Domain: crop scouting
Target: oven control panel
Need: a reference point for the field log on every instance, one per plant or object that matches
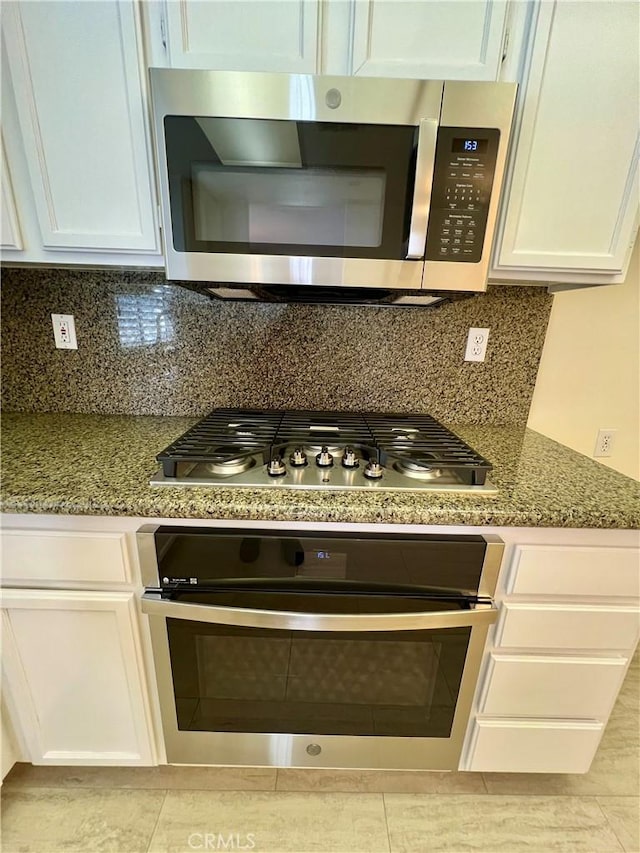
(462, 182)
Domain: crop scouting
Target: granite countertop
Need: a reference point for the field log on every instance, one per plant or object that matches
(100, 465)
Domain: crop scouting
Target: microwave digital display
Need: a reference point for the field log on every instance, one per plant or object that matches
(472, 146)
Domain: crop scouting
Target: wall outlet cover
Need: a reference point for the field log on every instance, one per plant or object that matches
(64, 331)
(604, 442)
(477, 340)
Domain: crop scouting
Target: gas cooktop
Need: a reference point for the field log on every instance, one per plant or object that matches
(290, 449)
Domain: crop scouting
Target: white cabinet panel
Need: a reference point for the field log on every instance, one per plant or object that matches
(565, 570)
(441, 39)
(9, 749)
(43, 556)
(573, 199)
(72, 666)
(241, 35)
(10, 237)
(567, 626)
(79, 90)
(529, 686)
(533, 746)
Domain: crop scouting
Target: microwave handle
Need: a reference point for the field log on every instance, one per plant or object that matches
(425, 160)
(153, 604)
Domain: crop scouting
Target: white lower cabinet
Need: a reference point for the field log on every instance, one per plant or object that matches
(545, 686)
(556, 660)
(73, 674)
(534, 746)
(554, 626)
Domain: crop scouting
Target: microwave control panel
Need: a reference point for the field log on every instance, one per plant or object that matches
(462, 181)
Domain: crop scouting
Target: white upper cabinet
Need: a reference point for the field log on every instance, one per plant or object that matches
(441, 39)
(453, 39)
(10, 237)
(79, 90)
(572, 202)
(242, 35)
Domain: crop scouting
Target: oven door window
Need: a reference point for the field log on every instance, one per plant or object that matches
(257, 186)
(396, 684)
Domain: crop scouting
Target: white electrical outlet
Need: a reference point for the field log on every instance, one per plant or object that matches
(476, 344)
(604, 442)
(64, 331)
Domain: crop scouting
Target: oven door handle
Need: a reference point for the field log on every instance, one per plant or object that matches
(153, 604)
(425, 161)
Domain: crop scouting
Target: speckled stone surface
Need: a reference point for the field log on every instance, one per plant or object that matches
(149, 348)
(98, 465)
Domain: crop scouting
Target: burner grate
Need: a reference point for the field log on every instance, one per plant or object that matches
(223, 434)
(422, 438)
(227, 434)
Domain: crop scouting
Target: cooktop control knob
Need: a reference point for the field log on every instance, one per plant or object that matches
(298, 458)
(324, 458)
(276, 467)
(373, 470)
(349, 458)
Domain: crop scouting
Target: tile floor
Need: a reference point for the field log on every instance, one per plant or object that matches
(180, 809)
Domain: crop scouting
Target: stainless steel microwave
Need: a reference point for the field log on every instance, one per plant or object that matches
(329, 182)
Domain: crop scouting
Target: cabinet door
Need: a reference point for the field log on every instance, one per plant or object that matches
(72, 672)
(436, 39)
(241, 35)
(546, 686)
(533, 746)
(570, 570)
(567, 626)
(573, 199)
(79, 90)
(10, 237)
(44, 557)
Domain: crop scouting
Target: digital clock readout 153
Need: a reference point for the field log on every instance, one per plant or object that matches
(470, 146)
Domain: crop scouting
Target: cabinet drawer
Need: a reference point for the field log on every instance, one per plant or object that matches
(533, 746)
(545, 686)
(53, 556)
(567, 626)
(566, 570)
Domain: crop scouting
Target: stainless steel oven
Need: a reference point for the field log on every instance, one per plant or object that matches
(300, 180)
(316, 649)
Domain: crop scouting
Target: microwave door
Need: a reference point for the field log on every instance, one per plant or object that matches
(279, 191)
(300, 188)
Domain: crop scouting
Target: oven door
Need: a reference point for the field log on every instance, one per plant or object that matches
(277, 179)
(316, 677)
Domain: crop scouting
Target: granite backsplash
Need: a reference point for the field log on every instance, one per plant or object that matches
(149, 347)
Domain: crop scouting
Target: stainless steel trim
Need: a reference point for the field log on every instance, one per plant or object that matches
(153, 604)
(294, 97)
(324, 479)
(147, 555)
(283, 269)
(425, 158)
(466, 104)
(491, 565)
